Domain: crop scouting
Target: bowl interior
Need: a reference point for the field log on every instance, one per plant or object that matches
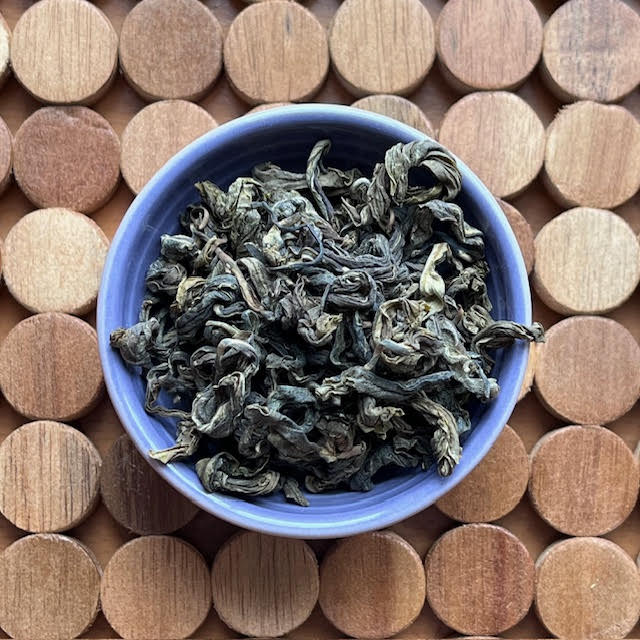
(285, 136)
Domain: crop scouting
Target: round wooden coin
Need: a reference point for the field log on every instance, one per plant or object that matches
(499, 136)
(587, 261)
(64, 51)
(588, 370)
(49, 474)
(590, 50)
(6, 155)
(138, 497)
(488, 44)
(53, 261)
(372, 585)
(264, 586)
(5, 48)
(156, 587)
(592, 157)
(479, 579)
(67, 157)
(398, 108)
(523, 233)
(584, 480)
(530, 371)
(50, 367)
(494, 487)
(267, 106)
(157, 133)
(382, 46)
(51, 588)
(171, 49)
(276, 52)
(587, 588)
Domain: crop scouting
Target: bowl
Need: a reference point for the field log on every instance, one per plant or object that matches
(285, 136)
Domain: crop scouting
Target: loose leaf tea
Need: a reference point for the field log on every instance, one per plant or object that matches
(310, 329)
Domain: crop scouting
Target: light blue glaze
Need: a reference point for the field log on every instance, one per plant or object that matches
(285, 136)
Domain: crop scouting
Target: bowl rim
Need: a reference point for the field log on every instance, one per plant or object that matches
(163, 180)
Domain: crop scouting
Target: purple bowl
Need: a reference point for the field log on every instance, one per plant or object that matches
(285, 136)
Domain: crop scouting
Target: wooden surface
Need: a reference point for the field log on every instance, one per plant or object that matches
(592, 157)
(530, 420)
(499, 136)
(398, 108)
(53, 261)
(587, 588)
(488, 44)
(171, 49)
(51, 587)
(590, 50)
(372, 585)
(5, 47)
(49, 474)
(523, 232)
(264, 586)
(584, 480)
(6, 155)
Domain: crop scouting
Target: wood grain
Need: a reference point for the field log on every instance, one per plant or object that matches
(50, 368)
(587, 261)
(156, 587)
(49, 477)
(157, 133)
(64, 51)
(499, 136)
(53, 261)
(523, 233)
(6, 155)
(382, 46)
(584, 480)
(5, 48)
(591, 50)
(592, 157)
(529, 374)
(488, 44)
(137, 496)
(398, 108)
(67, 157)
(276, 52)
(588, 370)
(268, 105)
(264, 586)
(171, 49)
(494, 487)
(480, 579)
(372, 585)
(587, 588)
(51, 588)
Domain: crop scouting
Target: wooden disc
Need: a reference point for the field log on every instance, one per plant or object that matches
(382, 46)
(523, 233)
(263, 53)
(264, 586)
(590, 50)
(64, 51)
(268, 105)
(171, 49)
(587, 261)
(51, 588)
(372, 585)
(593, 156)
(50, 368)
(479, 579)
(494, 487)
(157, 133)
(398, 108)
(584, 480)
(49, 474)
(488, 44)
(156, 587)
(499, 136)
(6, 155)
(67, 157)
(5, 47)
(138, 497)
(53, 261)
(529, 374)
(588, 370)
(587, 588)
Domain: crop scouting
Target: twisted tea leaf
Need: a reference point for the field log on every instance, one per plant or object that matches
(311, 329)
